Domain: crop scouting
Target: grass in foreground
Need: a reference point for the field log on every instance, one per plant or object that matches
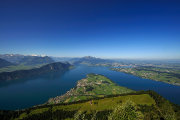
(94, 105)
(138, 106)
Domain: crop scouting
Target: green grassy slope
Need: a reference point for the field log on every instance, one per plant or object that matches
(92, 86)
(93, 105)
(149, 105)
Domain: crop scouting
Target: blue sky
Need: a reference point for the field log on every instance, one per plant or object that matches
(101, 28)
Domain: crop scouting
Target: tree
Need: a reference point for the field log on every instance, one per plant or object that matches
(79, 116)
(126, 111)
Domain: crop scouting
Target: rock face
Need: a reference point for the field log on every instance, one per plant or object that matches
(92, 86)
(33, 72)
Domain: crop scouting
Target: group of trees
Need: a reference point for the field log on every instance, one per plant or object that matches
(126, 111)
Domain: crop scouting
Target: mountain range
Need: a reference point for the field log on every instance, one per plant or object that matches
(31, 60)
(4, 63)
(19, 74)
(91, 60)
(28, 60)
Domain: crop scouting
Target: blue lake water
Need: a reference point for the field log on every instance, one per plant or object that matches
(25, 93)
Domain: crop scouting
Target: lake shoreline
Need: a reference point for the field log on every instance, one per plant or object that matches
(35, 91)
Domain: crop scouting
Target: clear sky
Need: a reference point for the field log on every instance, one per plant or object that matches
(101, 28)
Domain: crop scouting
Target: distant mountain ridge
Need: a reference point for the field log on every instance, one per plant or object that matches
(92, 60)
(62, 59)
(27, 59)
(4, 63)
(19, 74)
(35, 60)
(13, 58)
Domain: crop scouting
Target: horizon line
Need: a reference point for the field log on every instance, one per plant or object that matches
(103, 57)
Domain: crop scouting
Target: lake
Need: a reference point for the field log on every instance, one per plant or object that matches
(19, 94)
